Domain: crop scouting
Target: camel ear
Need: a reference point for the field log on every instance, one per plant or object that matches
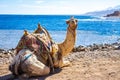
(76, 20)
(67, 22)
(26, 32)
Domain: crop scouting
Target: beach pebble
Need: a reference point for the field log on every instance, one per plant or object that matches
(78, 52)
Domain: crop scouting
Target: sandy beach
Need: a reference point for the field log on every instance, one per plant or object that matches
(94, 62)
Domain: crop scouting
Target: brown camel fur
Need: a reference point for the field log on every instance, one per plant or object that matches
(65, 47)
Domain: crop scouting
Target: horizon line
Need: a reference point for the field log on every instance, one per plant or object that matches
(38, 14)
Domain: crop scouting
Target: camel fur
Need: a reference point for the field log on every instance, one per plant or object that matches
(68, 44)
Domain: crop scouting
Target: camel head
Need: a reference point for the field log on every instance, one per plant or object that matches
(72, 23)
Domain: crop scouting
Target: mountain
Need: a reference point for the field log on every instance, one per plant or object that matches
(114, 14)
(104, 12)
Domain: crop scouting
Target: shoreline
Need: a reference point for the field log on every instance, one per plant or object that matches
(80, 48)
(92, 47)
(7, 55)
(10, 39)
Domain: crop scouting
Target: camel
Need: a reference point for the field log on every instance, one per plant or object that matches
(37, 54)
(67, 45)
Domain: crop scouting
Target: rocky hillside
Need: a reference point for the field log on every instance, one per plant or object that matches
(114, 14)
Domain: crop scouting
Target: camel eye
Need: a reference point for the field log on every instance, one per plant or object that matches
(72, 21)
(76, 20)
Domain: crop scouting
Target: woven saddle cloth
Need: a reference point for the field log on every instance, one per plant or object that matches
(40, 43)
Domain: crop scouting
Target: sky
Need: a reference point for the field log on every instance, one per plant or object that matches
(54, 6)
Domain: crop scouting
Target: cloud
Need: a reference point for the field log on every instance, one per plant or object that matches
(28, 6)
(20, 1)
(39, 1)
(53, 6)
(63, 2)
(3, 6)
(33, 4)
(52, 9)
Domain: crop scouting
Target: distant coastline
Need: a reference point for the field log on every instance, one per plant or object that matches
(115, 14)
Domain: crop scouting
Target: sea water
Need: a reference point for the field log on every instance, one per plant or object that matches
(90, 30)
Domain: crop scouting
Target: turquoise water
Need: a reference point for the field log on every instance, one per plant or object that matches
(90, 29)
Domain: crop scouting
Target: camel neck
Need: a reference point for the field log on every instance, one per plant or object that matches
(69, 41)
